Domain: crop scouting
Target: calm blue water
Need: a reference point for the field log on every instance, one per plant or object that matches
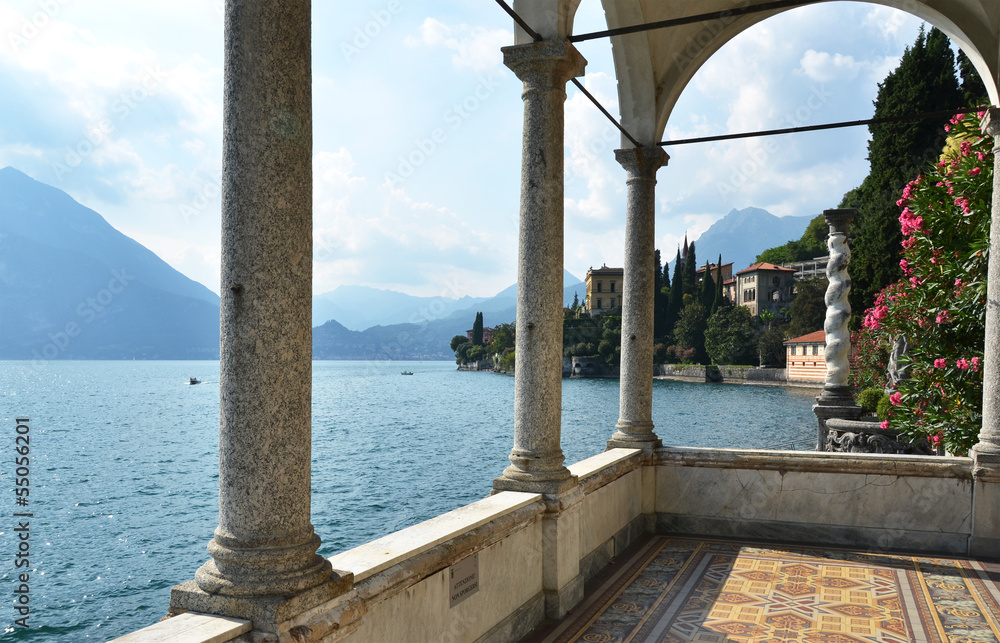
(124, 468)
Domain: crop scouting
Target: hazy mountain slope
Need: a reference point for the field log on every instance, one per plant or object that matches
(71, 286)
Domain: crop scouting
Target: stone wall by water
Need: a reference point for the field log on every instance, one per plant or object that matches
(721, 373)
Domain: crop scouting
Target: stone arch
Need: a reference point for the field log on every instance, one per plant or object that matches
(552, 19)
(654, 67)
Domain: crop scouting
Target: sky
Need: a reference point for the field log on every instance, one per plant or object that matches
(417, 130)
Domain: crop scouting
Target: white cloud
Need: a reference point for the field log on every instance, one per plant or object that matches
(369, 233)
(475, 47)
(823, 67)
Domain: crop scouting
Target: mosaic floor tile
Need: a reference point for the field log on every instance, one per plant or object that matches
(676, 590)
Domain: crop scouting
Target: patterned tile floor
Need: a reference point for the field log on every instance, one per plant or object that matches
(677, 590)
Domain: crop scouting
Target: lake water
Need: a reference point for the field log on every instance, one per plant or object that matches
(124, 466)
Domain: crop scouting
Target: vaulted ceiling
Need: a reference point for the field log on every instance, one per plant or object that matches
(653, 67)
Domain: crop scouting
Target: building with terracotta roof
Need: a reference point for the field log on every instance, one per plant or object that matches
(804, 358)
(765, 286)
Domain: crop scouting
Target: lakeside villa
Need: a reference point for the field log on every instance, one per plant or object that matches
(684, 526)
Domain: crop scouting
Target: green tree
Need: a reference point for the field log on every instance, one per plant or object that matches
(730, 336)
(576, 301)
(719, 300)
(689, 276)
(808, 309)
(924, 81)
(771, 347)
(477, 330)
(502, 339)
(973, 89)
(675, 302)
(689, 332)
(707, 293)
(457, 341)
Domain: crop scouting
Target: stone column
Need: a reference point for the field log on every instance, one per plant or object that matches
(635, 420)
(264, 549)
(537, 457)
(985, 537)
(837, 398)
(988, 448)
(536, 461)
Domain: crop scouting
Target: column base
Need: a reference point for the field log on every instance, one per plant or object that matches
(986, 463)
(630, 435)
(834, 402)
(530, 484)
(188, 597)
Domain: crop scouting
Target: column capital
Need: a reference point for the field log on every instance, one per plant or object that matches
(840, 220)
(642, 161)
(547, 64)
(991, 122)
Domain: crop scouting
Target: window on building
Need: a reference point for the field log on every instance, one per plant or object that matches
(599, 302)
(612, 304)
(599, 284)
(815, 350)
(793, 352)
(612, 290)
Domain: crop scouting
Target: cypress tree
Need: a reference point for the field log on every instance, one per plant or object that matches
(707, 294)
(720, 299)
(676, 299)
(690, 271)
(659, 300)
(477, 330)
(924, 81)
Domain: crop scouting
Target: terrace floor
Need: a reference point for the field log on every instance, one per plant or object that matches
(686, 589)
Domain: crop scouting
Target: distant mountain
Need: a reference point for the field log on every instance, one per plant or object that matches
(361, 307)
(74, 287)
(743, 234)
(426, 340)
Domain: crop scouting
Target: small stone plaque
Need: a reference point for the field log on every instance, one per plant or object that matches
(463, 579)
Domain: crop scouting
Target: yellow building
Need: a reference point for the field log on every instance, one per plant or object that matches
(805, 359)
(604, 289)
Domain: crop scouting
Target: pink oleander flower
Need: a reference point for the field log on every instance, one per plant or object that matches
(940, 363)
(936, 439)
(896, 398)
(905, 265)
(975, 171)
(884, 425)
(962, 364)
(943, 317)
(975, 363)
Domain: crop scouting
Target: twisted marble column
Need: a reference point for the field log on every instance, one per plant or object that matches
(987, 451)
(837, 398)
(536, 461)
(635, 420)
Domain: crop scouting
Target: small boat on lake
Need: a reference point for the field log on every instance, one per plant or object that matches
(194, 380)
(407, 373)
